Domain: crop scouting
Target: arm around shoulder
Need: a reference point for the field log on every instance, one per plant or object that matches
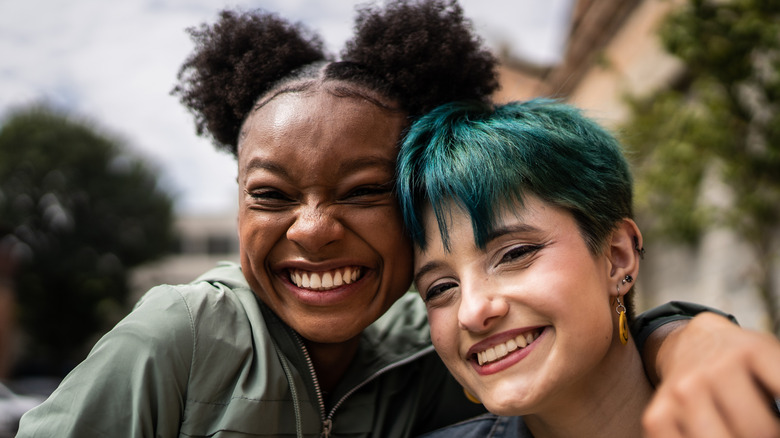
(716, 379)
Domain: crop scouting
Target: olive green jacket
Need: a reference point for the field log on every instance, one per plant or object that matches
(208, 359)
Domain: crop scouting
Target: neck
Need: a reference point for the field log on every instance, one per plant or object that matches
(607, 403)
(331, 361)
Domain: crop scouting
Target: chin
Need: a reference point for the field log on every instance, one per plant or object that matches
(331, 332)
(506, 404)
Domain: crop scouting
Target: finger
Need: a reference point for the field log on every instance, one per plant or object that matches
(764, 362)
(744, 404)
(659, 421)
(702, 419)
(692, 407)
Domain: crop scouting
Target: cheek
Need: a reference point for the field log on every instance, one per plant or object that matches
(383, 229)
(257, 232)
(443, 332)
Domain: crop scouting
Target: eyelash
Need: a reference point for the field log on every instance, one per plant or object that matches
(437, 290)
(370, 190)
(520, 252)
(268, 198)
(278, 196)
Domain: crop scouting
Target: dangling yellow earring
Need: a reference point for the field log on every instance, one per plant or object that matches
(622, 322)
(621, 310)
(472, 398)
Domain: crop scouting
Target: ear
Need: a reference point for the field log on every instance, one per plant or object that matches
(622, 254)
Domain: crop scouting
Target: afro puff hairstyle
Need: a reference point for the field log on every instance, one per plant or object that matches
(417, 53)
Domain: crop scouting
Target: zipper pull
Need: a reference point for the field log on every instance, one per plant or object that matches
(327, 425)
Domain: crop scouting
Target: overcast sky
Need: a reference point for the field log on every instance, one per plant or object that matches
(115, 62)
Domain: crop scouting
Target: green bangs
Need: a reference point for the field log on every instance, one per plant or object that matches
(482, 158)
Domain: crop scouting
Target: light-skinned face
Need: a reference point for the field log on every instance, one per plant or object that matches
(322, 241)
(529, 320)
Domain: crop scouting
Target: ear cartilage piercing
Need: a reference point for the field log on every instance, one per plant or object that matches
(640, 250)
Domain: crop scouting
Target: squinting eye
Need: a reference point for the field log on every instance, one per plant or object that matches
(437, 290)
(519, 252)
(268, 198)
(364, 191)
(367, 191)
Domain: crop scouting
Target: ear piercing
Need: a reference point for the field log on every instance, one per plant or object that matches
(640, 250)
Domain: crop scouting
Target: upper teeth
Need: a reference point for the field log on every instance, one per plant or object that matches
(498, 351)
(324, 280)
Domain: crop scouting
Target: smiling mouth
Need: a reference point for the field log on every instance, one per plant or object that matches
(497, 352)
(325, 280)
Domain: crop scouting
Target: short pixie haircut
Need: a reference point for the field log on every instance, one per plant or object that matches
(484, 157)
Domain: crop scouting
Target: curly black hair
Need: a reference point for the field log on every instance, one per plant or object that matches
(416, 53)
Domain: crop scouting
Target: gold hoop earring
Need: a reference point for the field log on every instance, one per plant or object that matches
(472, 398)
(622, 320)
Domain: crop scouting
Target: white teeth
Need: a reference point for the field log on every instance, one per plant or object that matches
(327, 280)
(305, 280)
(324, 280)
(498, 351)
(316, 283)
(347, 276)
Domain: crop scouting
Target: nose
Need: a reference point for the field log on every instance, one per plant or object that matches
(480, 308)
(314, 228)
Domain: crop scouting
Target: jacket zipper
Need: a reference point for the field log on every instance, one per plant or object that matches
(327, 424)
(327, 420)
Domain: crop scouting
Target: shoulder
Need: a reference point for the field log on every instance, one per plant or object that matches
(215, 299)
(484, 426)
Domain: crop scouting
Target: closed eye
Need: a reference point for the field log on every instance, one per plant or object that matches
(269, 198)
(368, 193)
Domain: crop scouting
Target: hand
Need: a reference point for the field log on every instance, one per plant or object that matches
(717, 380)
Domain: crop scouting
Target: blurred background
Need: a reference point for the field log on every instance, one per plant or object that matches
(105, 190)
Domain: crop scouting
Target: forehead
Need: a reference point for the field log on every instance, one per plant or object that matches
(313, 129)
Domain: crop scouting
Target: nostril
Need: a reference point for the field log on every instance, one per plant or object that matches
(314, 230)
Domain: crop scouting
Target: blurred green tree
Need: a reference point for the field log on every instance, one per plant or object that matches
(720, 121)
(82, 212)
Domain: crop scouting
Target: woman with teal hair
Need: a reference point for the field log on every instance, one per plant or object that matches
(525, 255)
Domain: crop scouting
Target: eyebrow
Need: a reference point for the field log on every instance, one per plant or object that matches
(426, 268)
(271, 166)
(494, 234)
(509, 229)
(343, 168)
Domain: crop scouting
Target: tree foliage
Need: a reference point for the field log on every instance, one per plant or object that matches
(81, 212)
(722, 118)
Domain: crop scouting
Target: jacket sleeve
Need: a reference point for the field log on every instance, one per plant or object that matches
(649, 321)
(132, 384)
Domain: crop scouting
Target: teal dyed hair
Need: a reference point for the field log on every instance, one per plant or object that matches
(484, 157)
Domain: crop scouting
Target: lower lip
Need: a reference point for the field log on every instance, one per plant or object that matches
(508, 360)
(330, 297)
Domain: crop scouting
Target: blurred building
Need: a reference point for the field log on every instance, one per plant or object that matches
(613, 51)
(202, 241)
